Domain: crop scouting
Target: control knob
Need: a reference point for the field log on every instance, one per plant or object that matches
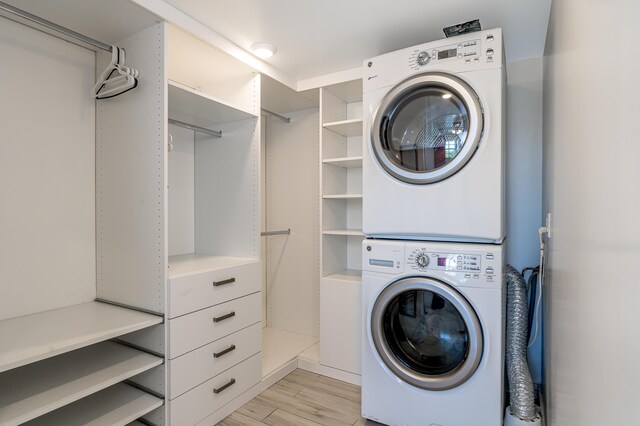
(422, 260)
(423, 58)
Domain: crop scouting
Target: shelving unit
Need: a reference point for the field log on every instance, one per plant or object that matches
(348, 232)
(62, 330)
(211, 198)
(213, 262)
(88, 267)
(346, 162)
(351, 275)
(117, 405)
(188, 264)
(341, 225)
(44, 386)
(342, 196)
(348, 128)
(198, 108)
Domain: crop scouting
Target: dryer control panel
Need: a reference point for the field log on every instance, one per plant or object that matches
(468, 51)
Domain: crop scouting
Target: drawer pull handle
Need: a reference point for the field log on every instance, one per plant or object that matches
(223, 387)
(226, 351)
(223, 282)
(224, 317)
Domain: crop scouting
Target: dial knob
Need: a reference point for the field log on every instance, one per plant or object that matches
(423, 58)
(422, 260)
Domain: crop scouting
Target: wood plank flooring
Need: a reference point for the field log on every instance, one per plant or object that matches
(302, 399)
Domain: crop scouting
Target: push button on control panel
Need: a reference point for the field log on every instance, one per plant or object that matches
(489, 52)
(489, 270)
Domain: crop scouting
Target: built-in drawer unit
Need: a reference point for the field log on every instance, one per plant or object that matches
(199, 328)
(189, 370)
(198, 403)
(215, 282)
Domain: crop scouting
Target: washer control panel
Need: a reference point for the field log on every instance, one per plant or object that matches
(421, 260)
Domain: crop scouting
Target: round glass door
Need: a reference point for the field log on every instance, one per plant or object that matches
(426, 333)
(427, 128)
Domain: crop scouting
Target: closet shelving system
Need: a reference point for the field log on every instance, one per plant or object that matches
(341, 226)
(290, 202)
(82, 256)
(141, 297)
(214, 330)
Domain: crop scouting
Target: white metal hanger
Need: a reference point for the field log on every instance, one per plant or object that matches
(117, 78)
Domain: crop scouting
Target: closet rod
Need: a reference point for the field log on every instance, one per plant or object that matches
(216, 133)
(270, 233)
(55, 27)
(278, 116)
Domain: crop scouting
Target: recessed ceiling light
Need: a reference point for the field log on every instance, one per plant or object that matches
(263, 49)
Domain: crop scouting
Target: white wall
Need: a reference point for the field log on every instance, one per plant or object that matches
(47, 170)
(524, 161)
(591, 173)
(291, 201)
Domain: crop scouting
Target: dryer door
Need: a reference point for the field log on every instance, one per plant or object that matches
(427, 128)
(426, 333)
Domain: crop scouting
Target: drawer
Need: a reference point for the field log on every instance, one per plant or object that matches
(199, 328)
(191, 369)
(198, 403)
(194, 292)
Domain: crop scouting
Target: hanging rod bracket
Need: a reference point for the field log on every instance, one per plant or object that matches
(215, 133)
(276, 115)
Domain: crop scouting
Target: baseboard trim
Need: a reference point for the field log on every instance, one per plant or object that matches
(334, 373)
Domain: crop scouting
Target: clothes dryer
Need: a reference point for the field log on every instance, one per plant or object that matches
(433, 333)
(433, 165)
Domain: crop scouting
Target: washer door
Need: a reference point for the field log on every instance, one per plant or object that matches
(427, 128)
(426, 333)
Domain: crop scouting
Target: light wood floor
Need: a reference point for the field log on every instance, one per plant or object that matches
(302, 399)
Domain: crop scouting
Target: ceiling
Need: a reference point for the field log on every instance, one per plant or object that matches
(320, 37)
(89, 17)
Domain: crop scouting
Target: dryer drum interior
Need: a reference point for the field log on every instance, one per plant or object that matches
(427, 128)
(426, 333)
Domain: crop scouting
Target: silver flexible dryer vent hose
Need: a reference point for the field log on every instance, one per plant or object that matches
(520, 384)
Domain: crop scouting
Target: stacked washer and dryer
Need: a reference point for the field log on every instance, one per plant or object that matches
(434, 216)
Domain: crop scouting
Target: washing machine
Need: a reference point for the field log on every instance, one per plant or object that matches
(433, 165)
(433, 333)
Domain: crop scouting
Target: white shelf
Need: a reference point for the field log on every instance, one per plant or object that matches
(350, 275)
(346, 162)
(346, 128)
(47, 334)
(349, 232)
(197, 108)
(188, 264)
(342, 196)
(36, 389)
(117, 405)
